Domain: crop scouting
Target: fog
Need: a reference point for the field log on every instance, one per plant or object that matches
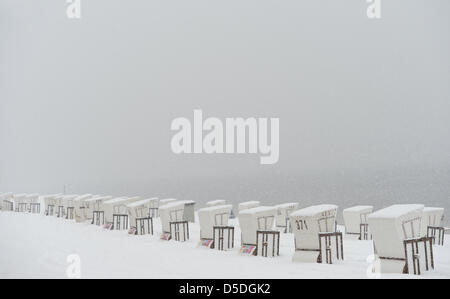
(364, 105)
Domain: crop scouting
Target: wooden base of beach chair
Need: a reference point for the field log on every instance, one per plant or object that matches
(432, 231)
(70, 213)
(153, 212)
(98, 218)
(419, 255)
(144, 226)
(35, 208)
(331, 246)
(50, 210)
(60, 211)
(179, 230)
(223, 237)
(364, 233)
(120, 221)
(22, 207)
(267, 243)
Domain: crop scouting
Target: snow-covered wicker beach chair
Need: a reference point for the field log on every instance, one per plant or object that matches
(214, 229)
(69, 205)
(94, 206)
(172, 222)
(50, 204)
(283, 212)
(34, 206)
(316, 238)
(141, 223)
(217, 202)
(116, 214)
(248, 205)
(20, 203)
(398, 241)
(431, 226)
(80, 213)
(7, 203)
(258, 234)
(355, 220)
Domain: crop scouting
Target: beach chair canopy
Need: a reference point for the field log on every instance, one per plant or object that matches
(431, 217)
(117, 206)
(392, 225)
(213, 216)
(171, 212)
(283, 212)
(140, 208)
(251, 220)
(354, 217)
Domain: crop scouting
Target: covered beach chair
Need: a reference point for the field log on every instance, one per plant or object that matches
(20, 203)
(217, 202)
(80, 213)
(283, 212)
(34, 206)
(431, 226)
(316, 238)
(50, 204)
(7, 203)
(355, 220)
(214, 229)
(116, 214)
(141, 223)
(59, 206)
(94, 207)
(248, 205)
(172, 222)
(69, 205)
(258, 234)
(398, 240)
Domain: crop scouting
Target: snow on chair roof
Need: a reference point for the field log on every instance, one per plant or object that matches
(358, 209)
(141, 202)
(20, 195)
(217, 202)
(248, 205)
(99, 198)
(83, 197)
(395, 211)
(6, 195)
(166, 200)
(314, 211)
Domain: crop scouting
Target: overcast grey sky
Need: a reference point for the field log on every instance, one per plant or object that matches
(88, 103)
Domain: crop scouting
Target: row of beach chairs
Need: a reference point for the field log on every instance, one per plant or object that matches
(403, 235)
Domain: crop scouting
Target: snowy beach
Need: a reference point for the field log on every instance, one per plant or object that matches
(37, 246)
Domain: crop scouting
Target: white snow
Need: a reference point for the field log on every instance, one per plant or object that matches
(141, 202)
(37, 246)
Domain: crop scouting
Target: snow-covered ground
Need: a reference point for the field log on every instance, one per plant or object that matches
(37, 246)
